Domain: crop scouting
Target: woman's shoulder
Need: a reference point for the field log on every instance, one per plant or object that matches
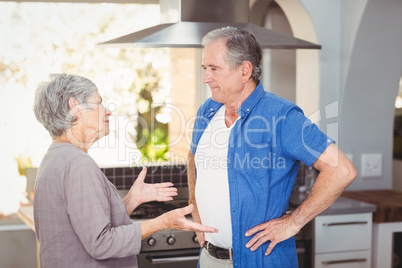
(65, 155)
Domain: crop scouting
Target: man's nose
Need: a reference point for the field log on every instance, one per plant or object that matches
(206, 77)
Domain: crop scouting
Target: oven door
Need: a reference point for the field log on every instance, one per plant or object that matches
(169, 258)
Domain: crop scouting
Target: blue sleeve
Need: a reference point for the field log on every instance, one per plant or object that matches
(196, 135)
(301, 139)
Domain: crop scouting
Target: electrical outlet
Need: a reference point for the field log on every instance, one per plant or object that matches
(371, 165)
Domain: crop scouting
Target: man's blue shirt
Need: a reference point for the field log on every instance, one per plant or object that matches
(266, 146)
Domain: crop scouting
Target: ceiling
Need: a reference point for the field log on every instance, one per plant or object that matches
(93, 1)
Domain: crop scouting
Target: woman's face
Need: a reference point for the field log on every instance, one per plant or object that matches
(95, 117)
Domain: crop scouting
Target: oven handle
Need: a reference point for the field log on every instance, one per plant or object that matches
(173, 259)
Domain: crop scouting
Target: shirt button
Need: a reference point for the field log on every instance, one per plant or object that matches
(328, 140)
(248, 110)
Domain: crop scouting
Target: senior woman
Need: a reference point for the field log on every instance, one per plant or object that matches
(80, 219)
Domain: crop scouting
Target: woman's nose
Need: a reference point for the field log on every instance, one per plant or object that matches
(108, 112)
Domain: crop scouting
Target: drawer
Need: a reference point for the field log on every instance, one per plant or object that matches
(337, 233)
(356, 259)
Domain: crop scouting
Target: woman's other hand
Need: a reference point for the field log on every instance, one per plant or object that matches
(142, 192)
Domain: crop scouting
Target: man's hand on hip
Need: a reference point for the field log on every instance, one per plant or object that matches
(276, 230)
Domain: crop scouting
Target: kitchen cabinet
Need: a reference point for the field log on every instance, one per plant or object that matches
(26, 215)
(343, 240)
(387, 220)
(17, 244)
(342, 234)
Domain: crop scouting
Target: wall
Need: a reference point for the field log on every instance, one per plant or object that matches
(360, 65)
(326, 17)
(183, 101)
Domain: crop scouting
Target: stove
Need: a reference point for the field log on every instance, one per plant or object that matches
(151, 210)
(167, 248)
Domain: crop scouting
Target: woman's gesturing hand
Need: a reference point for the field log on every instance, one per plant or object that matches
(175, 219)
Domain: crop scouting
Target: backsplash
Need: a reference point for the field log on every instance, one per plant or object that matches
(124, 177)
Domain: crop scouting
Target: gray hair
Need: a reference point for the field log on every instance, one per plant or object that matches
(241, 46)
(51, 101)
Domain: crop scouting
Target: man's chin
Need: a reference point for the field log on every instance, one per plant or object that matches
(216, 98)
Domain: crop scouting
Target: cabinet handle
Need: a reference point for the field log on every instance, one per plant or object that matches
(345, 223)
(343, 261)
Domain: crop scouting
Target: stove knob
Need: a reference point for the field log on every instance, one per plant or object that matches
(171, 240)
(195, 238)
(151, 241)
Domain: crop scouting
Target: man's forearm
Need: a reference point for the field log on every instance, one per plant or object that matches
(191, 178)
(191, 187)
(316, 202)
(335, 175)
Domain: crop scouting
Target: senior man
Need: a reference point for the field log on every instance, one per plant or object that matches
(246, 149)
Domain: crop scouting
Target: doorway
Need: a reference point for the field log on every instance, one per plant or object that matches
(397, 141)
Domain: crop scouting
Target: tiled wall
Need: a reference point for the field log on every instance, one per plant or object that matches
(124, 177)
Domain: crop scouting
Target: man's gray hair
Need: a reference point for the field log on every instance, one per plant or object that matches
(241, 46)
(51, 106)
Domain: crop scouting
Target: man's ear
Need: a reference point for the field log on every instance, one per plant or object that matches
(246, 71)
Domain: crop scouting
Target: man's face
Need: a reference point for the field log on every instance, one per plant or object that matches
(224, 82)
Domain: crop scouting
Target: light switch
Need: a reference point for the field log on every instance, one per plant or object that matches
(371, 165)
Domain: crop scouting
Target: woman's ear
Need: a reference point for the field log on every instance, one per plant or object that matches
(74, 106)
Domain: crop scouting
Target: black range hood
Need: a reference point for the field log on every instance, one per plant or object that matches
(195, 18)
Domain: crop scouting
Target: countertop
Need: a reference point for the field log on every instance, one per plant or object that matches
(26, 215)
(388, 203)
(342, 205)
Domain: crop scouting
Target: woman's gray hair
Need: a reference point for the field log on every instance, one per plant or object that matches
(51, 106)
(241, 46)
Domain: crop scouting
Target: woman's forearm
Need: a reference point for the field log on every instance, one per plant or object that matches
(152, 226)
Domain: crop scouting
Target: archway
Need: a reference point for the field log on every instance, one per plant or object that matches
(307, 61)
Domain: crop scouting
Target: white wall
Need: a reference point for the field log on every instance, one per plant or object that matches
(326, 17)
(360, 65)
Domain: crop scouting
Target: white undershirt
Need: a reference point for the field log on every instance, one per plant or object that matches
(212, 187)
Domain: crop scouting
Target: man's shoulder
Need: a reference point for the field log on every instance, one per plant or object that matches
(276, 104)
